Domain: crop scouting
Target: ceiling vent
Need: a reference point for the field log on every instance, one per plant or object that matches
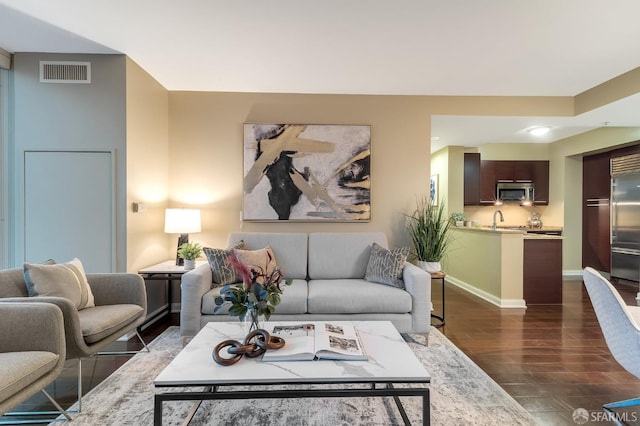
(65, 72)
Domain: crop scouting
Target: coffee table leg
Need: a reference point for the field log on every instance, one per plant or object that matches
(157, 411)
(426, 409)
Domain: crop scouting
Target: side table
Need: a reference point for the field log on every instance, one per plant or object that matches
(168, 272)
(439, 276)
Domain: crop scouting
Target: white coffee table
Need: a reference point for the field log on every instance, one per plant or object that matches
(391, 361)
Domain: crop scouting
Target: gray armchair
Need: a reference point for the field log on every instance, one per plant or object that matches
(32, 351)
(120, 307)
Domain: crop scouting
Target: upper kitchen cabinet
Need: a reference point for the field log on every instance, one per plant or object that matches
(480, 180)
(471, 179)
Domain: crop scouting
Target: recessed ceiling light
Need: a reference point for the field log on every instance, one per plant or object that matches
(539, 130)
(435, 138)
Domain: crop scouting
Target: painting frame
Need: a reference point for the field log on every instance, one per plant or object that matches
(433, 189)
(306, 172)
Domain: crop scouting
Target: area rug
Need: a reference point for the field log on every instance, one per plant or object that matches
(461, 394)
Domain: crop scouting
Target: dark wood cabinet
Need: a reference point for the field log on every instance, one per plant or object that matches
(542, 271)
(481, 176)
(540, 176)
(471, 179)
(596, 210)
(487, 182)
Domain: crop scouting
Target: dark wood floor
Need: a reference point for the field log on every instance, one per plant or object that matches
(550, 358)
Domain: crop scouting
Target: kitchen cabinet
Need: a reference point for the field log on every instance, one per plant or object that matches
(596, 223)
(542, 271)
(540, 176)
(471, 179)
(487, 182)
(480, 185)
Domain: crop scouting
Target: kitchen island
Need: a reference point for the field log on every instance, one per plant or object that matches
(507, 267)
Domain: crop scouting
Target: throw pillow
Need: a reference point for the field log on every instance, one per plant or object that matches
(385, 266)
(66, 280)
(263, 261)
(222, 272)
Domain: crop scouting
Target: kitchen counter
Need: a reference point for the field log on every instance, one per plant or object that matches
(503, 265)
(528, 233)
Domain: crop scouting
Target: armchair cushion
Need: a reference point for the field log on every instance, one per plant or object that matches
(66, 280)
(102, 321)
(21, 369)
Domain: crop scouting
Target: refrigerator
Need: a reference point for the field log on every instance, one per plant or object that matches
(625, 217)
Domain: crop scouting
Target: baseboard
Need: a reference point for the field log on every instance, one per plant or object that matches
(572, 274)
(494, 300)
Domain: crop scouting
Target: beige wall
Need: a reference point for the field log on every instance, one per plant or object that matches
(206, 155)
(448, 164)
(147, 169)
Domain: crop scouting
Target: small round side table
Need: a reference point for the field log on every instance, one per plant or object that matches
(439, 276)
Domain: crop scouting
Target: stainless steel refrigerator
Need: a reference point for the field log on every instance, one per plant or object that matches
(625, 217)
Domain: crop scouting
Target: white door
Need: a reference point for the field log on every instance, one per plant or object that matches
(69, 208)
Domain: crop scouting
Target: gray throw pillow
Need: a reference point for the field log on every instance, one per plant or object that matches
(66, 280)
(222, 272)
(385, 266)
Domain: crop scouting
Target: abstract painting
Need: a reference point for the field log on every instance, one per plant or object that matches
(298, 172)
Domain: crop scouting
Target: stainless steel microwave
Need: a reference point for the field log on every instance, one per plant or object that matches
(521, 192)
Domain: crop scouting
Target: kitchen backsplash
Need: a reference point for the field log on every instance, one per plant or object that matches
(514, 215)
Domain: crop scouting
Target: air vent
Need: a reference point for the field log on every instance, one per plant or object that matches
(65, 72)
(625, 165)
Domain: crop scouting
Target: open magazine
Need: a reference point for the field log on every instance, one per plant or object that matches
(307, 342)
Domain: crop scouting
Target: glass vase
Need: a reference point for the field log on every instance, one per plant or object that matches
(252, 321)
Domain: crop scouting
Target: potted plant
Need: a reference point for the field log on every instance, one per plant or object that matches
(428, 227)
(457, 219)
(189, 252)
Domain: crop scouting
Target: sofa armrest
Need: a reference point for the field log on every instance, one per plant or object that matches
(33, 326)
(418, 283)
(194, 284)
(117, 289)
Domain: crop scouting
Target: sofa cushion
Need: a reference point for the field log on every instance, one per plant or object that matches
(385, 266)
(102, 321)
(342, 254)
(354, 296)
(66, 280)
(20, 369)
(292, 301)
(290, 249)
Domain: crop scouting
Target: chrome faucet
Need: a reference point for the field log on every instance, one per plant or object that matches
(494, 226)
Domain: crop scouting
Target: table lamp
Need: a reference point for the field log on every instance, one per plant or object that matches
(183, 222)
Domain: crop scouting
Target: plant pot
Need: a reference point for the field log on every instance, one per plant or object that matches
(189, 264)
(459, 223)
(430, 266)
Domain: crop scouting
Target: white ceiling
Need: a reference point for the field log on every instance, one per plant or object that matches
(421, 47)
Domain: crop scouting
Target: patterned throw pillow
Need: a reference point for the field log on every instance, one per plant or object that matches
(385, 266)
(222, 272)
(263, 260)
(66, 280)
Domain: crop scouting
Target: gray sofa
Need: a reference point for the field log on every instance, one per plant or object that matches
(328, 272)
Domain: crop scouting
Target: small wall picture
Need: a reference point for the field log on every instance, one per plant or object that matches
(433, 190)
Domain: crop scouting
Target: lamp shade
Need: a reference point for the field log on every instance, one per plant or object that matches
(182, 221)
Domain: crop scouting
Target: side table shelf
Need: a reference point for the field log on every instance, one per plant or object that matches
(440, 318)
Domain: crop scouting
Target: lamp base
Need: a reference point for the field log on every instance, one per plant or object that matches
(183, 238)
